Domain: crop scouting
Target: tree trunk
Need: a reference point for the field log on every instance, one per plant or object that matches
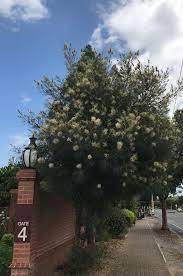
(90, 226)
(164, 215)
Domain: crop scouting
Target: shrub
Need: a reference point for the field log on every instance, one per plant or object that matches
(116, 222)
(130, 216)
(6, 252)
(81, 258)
(3, 222)
(7, 239)
(102, 233)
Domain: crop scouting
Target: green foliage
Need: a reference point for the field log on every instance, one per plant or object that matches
(130, 216)
(116, 222)
(6, 253)
(180, 201)
(7, 239)
(102, 233)
(3, 221)
(80, 259)
(8, 181)
(101, 125)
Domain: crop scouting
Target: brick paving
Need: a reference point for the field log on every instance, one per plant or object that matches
(140, 255)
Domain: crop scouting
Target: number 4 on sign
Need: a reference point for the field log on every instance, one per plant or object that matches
(22, 235)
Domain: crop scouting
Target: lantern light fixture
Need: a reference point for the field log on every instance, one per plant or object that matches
(30, 155)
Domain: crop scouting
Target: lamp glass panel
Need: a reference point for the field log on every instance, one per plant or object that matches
(27, 153)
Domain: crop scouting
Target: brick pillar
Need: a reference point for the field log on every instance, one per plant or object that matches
(21, 253)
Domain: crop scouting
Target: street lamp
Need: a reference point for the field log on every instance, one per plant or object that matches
(30, 155)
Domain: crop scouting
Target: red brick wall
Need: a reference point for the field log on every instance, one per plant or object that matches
(53, 232)
(52, 229)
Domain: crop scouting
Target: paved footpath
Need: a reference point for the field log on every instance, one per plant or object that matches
(140, 255)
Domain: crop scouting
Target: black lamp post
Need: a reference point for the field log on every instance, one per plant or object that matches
(30, 155)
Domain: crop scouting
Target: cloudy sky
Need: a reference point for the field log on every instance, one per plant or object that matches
(32, 34)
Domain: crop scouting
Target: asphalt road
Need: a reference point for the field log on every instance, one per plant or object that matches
(175, 220)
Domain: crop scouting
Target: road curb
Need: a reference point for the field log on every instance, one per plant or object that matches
(159, 247)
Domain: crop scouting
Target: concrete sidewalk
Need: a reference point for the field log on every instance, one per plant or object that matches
(140, 255)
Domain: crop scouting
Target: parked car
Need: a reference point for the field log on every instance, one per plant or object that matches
(179, 210)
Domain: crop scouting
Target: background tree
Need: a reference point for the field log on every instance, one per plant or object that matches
(7, 182)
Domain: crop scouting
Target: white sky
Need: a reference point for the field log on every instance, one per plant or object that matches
(155, 27)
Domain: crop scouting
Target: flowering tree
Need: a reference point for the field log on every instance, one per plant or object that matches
(97, 135)
(163, 171)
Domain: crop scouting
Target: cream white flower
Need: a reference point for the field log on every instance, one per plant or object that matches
(71, 91)
(105, 131)
(95, 145)
(93, 119)
(104, 144)
(56, 102)
(53, 121)
(86, 131)
(66, 108)
(138, 118)
(153, 134)
(154, 144)
(99, 186)
(79, 166)
(57, 114)
(118, 125)
(152, 117)
(106, 155)
(156, 164)
(134, 158)
(119, 145)
(132, 115)
(125, 174)
(89, 157)
(113, 111)
(55, 141)
(147, 130)
(98, 122)
(51, 165)
(124, 184)
(59, 134)
(76, 148)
